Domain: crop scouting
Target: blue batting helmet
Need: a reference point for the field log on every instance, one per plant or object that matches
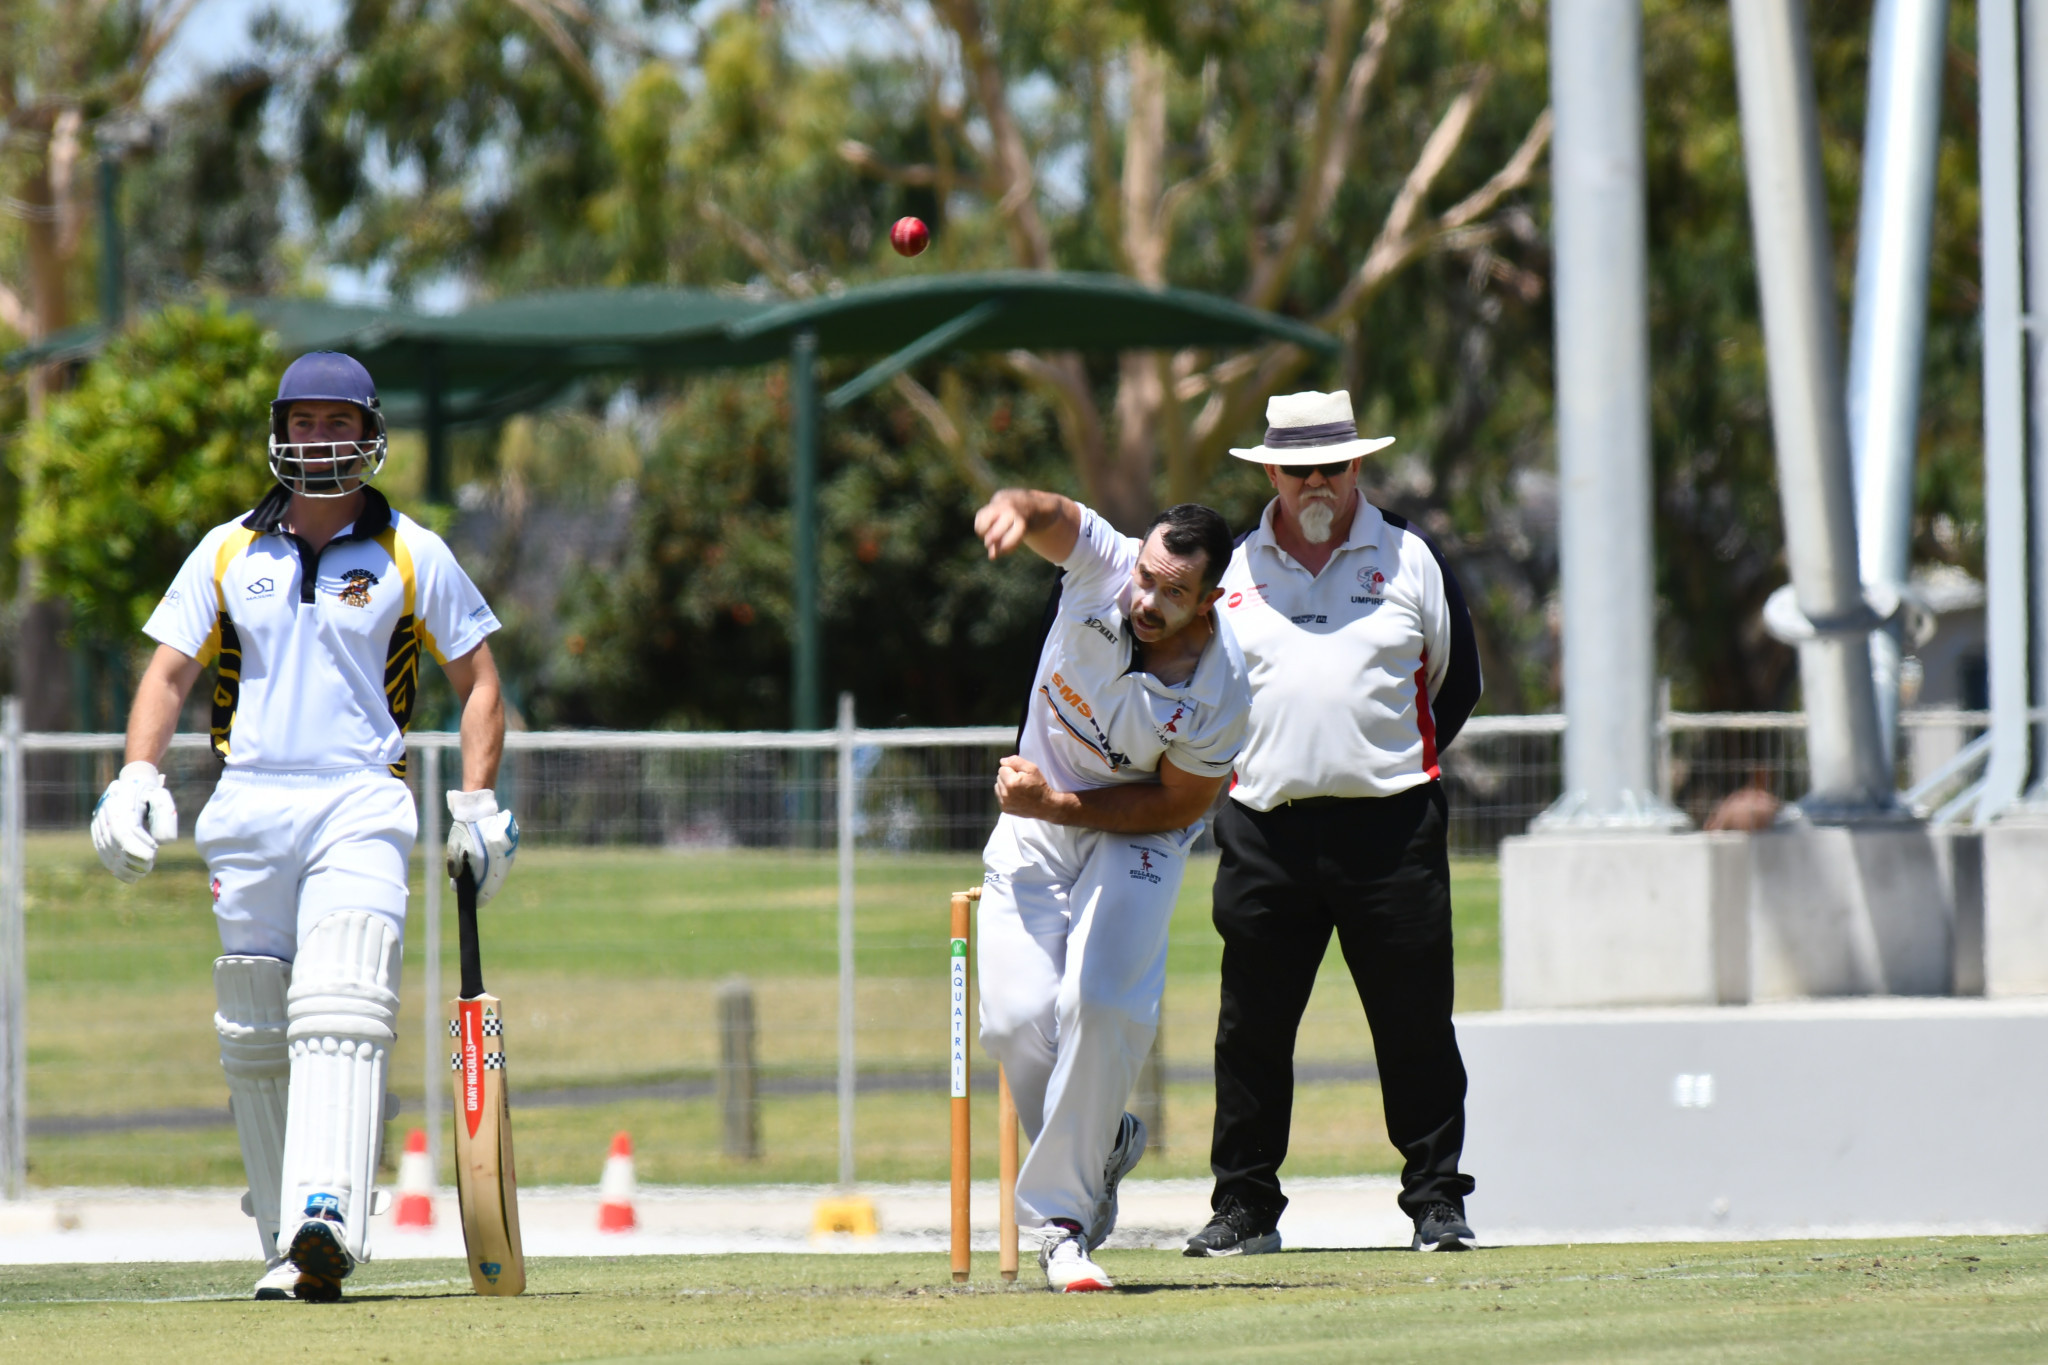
(327, 469)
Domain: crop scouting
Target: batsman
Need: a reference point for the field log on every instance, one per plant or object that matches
(314, 607)
(1137, 713)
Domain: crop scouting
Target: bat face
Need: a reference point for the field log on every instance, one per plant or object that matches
(485, 1182)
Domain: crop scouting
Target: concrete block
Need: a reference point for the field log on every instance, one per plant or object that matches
(1623, 919)
(1959, 859)
(1837, 1118)
(1848, 910)
(2016, 906)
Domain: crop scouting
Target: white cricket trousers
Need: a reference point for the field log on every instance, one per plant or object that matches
(287, 849)
(1071, 964)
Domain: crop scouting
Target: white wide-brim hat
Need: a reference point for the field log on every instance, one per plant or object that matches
(1311, 428)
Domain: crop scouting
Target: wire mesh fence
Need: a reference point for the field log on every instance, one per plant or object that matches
(663, 874)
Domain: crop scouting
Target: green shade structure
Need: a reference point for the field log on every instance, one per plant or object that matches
(497, 359)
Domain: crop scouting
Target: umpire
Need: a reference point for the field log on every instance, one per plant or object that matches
(1362, 668)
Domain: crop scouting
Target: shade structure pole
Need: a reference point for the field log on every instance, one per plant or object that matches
(2034, 77)
(2005, 473)
(1788, 213)
(848, 805)
(1888, 327)
(803, 513)
(434, 415)
(1606, 566)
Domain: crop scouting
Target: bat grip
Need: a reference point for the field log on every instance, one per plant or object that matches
(465, 919)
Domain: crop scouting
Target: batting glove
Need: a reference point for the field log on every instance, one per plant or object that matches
(134, 816)
(482, 839)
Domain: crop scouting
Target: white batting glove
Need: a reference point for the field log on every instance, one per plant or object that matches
(134, 816)
(483, 839)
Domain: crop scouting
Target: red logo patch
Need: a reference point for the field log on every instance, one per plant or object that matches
(471, 1013)
(216, 891)
(1236, 601)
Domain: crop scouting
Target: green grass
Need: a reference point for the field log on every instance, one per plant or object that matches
(1983, 1300)
(609, 961)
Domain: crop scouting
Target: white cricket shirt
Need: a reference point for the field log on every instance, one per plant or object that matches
(1095, 718)
(1344, 664)
(319, 654)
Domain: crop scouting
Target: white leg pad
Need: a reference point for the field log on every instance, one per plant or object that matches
(343, 1010)
(250, 993)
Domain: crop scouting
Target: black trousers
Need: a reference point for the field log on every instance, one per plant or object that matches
(1376, 870)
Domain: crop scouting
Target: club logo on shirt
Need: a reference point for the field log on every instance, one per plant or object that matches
(262, 587)
(355, 587)
(1372, 585)
(1143, 871)
(1172, 726)
(1095, 623)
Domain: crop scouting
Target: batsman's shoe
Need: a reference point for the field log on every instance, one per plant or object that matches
(1123, 1158)
(319, 1251)
(279, 1281)
(1236, 1229)
(1063, 1256)
(1441, 1227)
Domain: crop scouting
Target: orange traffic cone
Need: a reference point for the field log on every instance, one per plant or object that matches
(415, 1184)
(615, 1189)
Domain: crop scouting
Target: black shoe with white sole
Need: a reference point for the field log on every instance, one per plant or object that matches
(1442, 1228)
(1236, 1230)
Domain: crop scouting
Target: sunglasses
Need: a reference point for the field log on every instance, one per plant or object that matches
(1328, 471)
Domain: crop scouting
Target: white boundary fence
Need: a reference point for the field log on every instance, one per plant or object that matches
(1501, 772)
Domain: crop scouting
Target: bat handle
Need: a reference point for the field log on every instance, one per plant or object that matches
(465, 919)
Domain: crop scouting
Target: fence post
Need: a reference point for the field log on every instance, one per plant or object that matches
(13, 958)
(738, 1093)
(432, 1016)
(847, 804)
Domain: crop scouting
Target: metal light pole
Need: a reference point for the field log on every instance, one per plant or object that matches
(1888, 329)
(1603, 421)
(2034, 77)
(2005, 472)
(1788, 212)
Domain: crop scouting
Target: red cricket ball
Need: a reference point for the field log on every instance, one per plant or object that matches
(910, 236)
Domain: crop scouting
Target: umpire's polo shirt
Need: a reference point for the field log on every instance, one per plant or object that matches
(1360, 675)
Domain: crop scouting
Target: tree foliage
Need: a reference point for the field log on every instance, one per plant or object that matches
(160, 441)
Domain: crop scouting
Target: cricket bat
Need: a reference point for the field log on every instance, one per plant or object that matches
(485, 1183)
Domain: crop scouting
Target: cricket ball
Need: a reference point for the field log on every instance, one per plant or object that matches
(910, 236)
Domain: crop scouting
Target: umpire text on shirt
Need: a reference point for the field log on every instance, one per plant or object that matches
(1362, 668)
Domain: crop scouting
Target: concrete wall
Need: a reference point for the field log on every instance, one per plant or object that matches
(2016, 906)
(1824, 1117)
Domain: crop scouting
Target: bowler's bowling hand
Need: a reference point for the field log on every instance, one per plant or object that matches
(1021, 789)
(1002, 523)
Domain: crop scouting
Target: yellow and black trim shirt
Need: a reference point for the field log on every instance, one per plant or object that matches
(319, 653)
